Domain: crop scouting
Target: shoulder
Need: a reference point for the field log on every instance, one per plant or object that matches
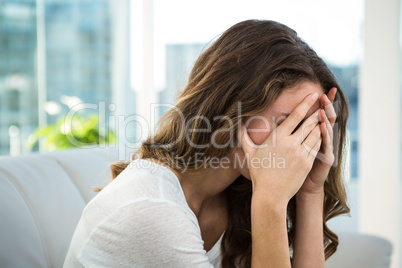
(143, 179)
(143, 230)
(141, 187)
(146, 176)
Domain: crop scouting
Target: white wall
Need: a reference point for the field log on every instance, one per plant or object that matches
(380, 125)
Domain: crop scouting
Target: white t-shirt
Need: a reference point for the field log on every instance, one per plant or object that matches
(140, 219)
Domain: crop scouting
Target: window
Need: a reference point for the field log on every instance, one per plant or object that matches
(13, 100)
(74, 59)
(85, 57)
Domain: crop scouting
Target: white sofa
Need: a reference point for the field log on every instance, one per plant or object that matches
(42, 197)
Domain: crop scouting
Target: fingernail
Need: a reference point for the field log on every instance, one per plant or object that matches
(314, 96)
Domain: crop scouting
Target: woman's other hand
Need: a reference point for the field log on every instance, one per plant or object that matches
(314, 183)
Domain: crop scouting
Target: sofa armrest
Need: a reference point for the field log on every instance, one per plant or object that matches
(361, 250)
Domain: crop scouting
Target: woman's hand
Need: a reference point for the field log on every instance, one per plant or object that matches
(314, 183)
(299, 155)
(309, 199)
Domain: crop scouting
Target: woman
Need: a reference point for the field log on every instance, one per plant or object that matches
(244, 171)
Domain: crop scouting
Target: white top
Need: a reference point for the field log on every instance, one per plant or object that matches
(140, 219)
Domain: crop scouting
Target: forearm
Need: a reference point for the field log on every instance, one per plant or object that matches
(309, 241)
(269, 234)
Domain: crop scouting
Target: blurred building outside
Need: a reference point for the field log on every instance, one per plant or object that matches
(54, 55)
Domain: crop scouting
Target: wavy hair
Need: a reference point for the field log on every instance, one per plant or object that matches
(249, 65)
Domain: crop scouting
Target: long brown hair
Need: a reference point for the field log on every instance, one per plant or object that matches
(249, 65)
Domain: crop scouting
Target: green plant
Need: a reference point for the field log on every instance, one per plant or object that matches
(76, 131)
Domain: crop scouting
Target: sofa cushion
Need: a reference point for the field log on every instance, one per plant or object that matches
(19, 231)
(87, 168)
(40, 208)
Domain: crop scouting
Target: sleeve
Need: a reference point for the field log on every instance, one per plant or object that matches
(147, 233)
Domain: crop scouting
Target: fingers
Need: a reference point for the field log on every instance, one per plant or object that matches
(327, 124)
(329, 108)
(314, 151)
(331, 94)
(308, 125)
(327, 140)
(312, 139)
(297, 115)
